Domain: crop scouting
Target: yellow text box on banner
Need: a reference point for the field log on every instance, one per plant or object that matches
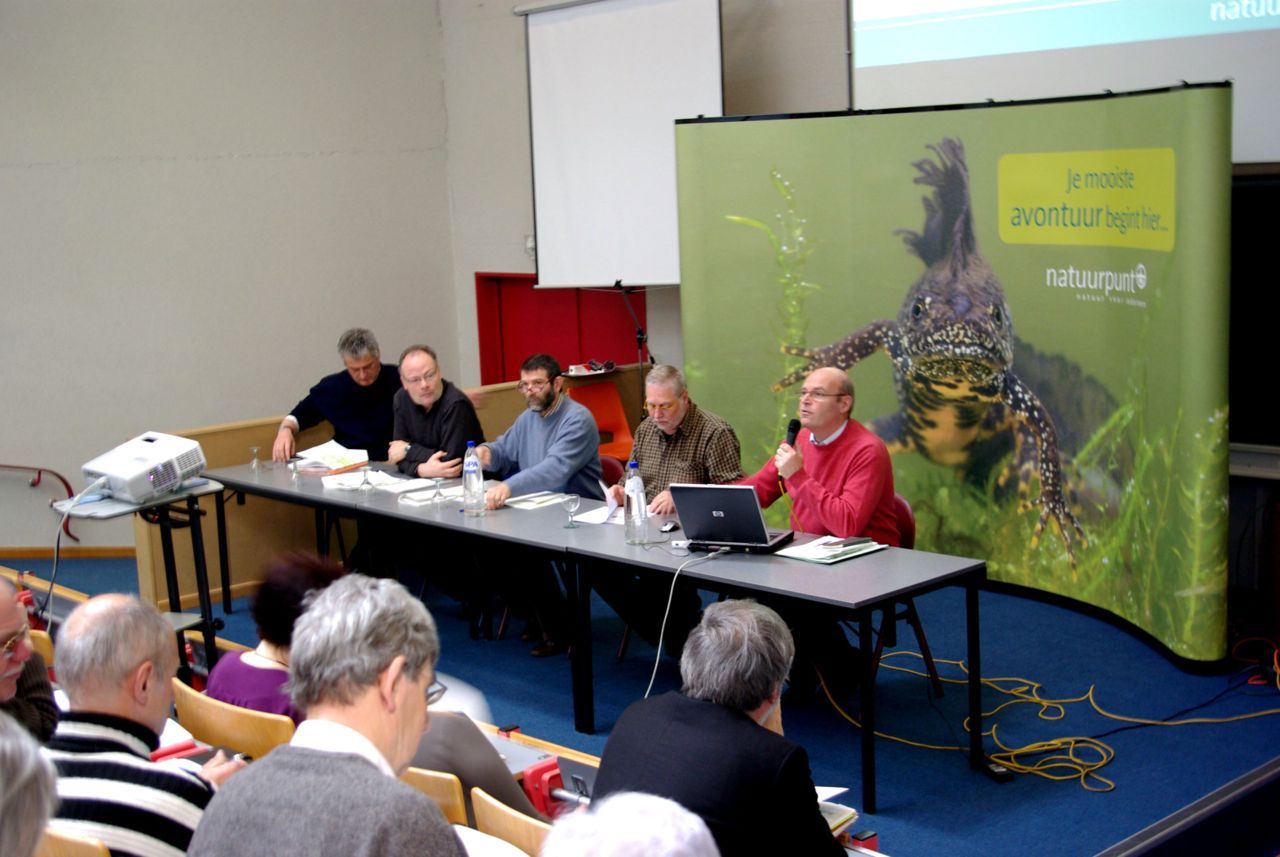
(1100, 198)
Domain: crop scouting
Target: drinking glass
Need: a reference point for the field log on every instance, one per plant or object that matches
(253, 458)
(571, 502)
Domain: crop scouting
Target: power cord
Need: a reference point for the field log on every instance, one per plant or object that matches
(657, 658)
(42, 612)
(1060, 759)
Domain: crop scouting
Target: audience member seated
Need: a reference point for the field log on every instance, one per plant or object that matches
(25, 694)
(362, 667)
(706, 747)
(27, 790)
(257, 680)
(115, 659)
(630, 824)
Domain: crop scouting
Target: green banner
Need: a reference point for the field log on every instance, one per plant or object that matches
(1032, 303)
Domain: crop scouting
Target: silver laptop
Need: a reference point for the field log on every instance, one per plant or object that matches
(725, 516)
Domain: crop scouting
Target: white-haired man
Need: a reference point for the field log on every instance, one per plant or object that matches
(116, 659)
(706, 747)
(362, 666)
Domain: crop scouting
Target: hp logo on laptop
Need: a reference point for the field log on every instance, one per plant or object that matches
(716, 513)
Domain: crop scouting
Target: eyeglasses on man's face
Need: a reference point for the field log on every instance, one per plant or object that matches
(425, 376)
(535, 386)
(435, 691)
(11, 644)
(819, 394)
(661, 407)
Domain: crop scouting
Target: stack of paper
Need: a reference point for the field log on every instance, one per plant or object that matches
(331, 457)
(829, 549)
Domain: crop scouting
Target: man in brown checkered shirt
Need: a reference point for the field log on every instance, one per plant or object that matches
(679, 442)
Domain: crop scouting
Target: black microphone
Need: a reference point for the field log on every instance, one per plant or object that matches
(793, 429)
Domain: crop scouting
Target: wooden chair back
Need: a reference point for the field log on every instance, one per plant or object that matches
(224, 725)
(445, 789)
(498, 819)
(42, 645)
(55, 844)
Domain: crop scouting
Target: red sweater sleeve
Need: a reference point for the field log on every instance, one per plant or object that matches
(765, 483)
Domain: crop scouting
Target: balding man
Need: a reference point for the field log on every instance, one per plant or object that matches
(25, 694)
(362, 665)
(838, 473)
(840, 482)
(116, 659)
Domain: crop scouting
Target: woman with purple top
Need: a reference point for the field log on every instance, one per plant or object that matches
(255, 679)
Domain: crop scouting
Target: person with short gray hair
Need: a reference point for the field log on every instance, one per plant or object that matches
(356, 402)
(116, 658)
(629, 824)
(708, 749)
(27, 791)
(362, 666)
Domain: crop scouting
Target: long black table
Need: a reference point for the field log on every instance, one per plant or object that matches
(855, 587)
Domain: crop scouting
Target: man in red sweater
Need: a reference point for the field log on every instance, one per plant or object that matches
(841, 484)
(838, 473)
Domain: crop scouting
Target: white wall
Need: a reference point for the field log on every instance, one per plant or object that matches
(195, 200)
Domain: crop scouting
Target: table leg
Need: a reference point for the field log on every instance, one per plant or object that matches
(868, 714)
(171, 584)
(322, 532)
(977, 760)
(202, 582)
(584, 704)
(224, 566)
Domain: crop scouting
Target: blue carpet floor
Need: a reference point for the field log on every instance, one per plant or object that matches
(930, 801)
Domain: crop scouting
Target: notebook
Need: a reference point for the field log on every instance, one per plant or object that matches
(725, 516)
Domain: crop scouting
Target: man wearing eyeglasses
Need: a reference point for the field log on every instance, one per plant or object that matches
(25, 694)
(552, 446)
(679, 442)
(838, 473)
(362, 666)
(433, 419)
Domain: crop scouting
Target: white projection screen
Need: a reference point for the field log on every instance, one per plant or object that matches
(915, 52)
(607, 80)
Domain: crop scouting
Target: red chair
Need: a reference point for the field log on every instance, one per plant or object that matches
(611, 469)
(605, 404)
(888, 624)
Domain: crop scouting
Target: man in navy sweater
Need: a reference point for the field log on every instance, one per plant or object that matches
(356, 402)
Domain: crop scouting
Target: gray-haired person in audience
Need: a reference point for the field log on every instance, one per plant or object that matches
(362, 666)
(25, 694)
(116, 658)
(27, 790)
(630, 824)
(707, 746)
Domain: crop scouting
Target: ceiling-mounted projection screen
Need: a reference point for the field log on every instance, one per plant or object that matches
(916, 52)
(607, 80)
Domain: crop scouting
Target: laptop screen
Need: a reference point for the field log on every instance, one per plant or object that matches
(720, 514)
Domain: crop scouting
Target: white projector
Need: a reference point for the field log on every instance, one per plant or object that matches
(149, 465)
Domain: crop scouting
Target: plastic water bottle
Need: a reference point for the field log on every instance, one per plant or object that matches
(472, 482)
(637, 508)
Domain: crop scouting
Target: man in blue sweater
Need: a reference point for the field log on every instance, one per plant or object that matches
(552, 446)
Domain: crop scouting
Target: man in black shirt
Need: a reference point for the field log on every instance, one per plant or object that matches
(433, 419)
(356, 402)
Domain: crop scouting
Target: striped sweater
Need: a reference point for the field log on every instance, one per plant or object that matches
(110, 789)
